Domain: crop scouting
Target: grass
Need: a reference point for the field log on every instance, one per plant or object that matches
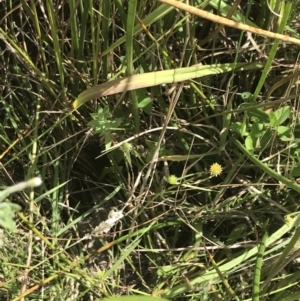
(168, 146)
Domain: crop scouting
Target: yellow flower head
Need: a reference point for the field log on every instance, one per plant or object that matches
(215, 169)
(172, 180)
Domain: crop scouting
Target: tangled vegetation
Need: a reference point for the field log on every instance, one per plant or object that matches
(166, 135)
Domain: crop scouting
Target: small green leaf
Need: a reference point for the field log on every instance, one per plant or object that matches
(240, 128)
(266, 139)
(273, 119)
(7, 213)
(284, 133)
(246, 95)
(282, 114)
(258, 115)
(127, 148)
(257, 130)
(146, 105)
(249, 143)
(103, 123)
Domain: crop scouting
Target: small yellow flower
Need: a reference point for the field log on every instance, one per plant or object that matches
(288, 220)
(172, 180)
(215, 169)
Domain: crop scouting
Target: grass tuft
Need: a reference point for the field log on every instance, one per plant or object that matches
(165, 137)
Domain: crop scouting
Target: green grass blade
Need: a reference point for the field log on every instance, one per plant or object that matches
(289, 183)
(74, 28)
(106, 5)
(271, 56)
(258, 266)
(95, 36)
(225, 8)
(151, 18)
(144, 80)
(56, 44)
(233, 264)
(129, 60)
(280, 262)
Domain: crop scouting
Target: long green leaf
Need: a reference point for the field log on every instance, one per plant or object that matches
(273, 51)
(150, 79)
(129, 59)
